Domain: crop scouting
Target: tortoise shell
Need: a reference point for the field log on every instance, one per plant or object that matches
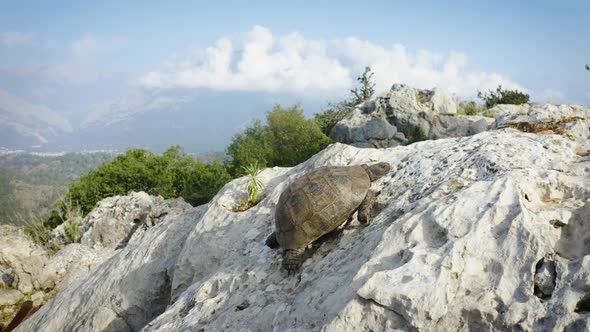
(317, 203)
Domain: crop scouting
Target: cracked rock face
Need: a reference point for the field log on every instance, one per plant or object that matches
(468, 231)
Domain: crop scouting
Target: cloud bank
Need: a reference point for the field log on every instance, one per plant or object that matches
(260, 61)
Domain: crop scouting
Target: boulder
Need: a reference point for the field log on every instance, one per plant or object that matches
(9, 297)
(478, 233)
(21, 260)
(405, 115)
(125, 292)
(71, 263)
(117, 220)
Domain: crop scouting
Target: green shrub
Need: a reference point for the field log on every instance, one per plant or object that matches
(173, 174)
(72, 231)
(249, 147)
(501, 96)
(469, 108)
(37, 231)
(292, 138)
(329, 117)
(286, 139)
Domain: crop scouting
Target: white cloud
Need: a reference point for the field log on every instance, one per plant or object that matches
(260, 61)
(257, 61)
(91, 47)
(15, 38)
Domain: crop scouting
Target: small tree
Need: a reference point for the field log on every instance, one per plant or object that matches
(587, 67)
(286, 139)
(366, 89)
(335, 112)
(501, 96)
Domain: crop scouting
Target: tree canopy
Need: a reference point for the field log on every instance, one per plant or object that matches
(172, 174)
(286, 139)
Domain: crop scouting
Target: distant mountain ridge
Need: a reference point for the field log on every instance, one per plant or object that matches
(199, 121)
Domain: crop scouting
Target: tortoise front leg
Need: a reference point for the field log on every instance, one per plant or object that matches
(271, 241)
(292, 259)
(364, 215)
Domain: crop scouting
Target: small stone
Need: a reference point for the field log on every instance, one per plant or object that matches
(9, 296)
(37, 298)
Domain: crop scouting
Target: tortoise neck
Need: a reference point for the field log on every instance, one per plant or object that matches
(368, 170)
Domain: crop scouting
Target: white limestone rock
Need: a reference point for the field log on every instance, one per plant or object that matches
(9, 297)
(459, 242)
(71, 263)
(404, 115)
(117, 220)
(125, 292)
(570, 120)
(21, 260)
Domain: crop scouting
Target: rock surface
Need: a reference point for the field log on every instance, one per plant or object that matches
(117, 220)
(9, 296)
(125, 292)
(21, 260)
(466, 230)
(71, 263)
(405, 115)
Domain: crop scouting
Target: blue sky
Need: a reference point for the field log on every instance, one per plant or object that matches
(77, 59)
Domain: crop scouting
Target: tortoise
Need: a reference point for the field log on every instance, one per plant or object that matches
(320, 201)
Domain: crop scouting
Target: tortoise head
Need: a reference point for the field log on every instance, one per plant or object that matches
(377, 171)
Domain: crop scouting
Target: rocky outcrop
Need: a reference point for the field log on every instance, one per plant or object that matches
(27, 271)
(405, 115)
(117, 220)
(21, 260)
(71, 263)
(487, 232)
(570, 120)
(125, 292)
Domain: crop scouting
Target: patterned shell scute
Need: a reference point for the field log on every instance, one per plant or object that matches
(318, 202)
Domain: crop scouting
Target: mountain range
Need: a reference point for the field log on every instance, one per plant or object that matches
(198, 121)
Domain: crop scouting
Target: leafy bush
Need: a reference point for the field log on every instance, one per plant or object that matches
(292, 138)
(501, 96)
(249, 147)
(286, 139)
(469, 108)
(173, 174)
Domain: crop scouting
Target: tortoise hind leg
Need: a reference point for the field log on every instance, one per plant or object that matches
(292, 259)
(271, 241)
(364, 211)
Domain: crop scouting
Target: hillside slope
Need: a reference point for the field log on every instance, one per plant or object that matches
(487, 232)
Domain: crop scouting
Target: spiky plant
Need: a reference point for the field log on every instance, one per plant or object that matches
(255, 185)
